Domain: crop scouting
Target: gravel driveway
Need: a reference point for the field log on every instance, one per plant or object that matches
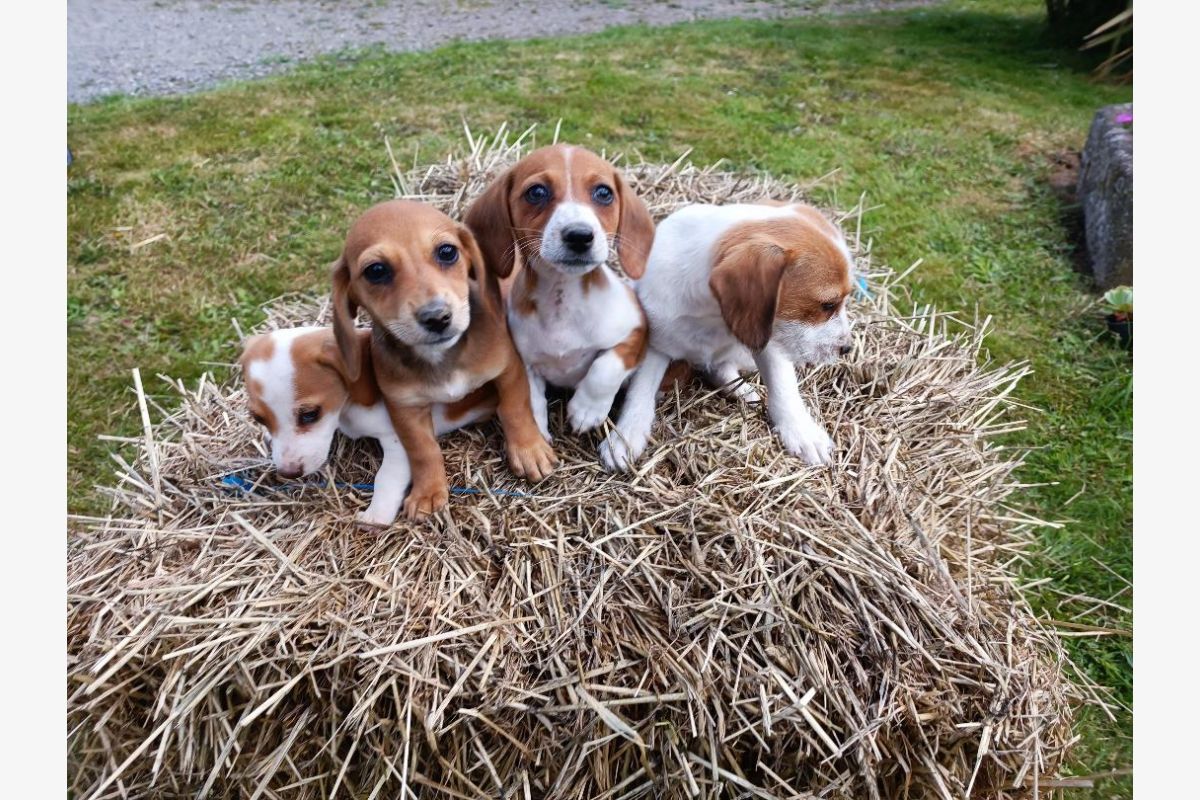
(156, 47)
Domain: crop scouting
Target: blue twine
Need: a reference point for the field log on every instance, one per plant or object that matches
(238, 482)
(861, 286)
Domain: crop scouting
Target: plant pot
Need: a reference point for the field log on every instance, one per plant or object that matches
(1122, 326)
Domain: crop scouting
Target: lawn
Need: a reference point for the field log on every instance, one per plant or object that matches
(184, 213)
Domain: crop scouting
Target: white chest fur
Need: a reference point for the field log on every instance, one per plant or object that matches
(571, 323)
(452, 389)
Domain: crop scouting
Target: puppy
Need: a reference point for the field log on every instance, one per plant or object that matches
(576, 324)
(439, 334)
(728, 288)
(296, 388)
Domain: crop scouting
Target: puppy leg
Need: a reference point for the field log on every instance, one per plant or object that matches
(431, 489)
(801, 435)
(529, 454)
(390, 482)
(622, 447)
(594, 395)
(537, 403)
(725, 377)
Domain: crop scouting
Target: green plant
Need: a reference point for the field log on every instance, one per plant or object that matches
(1117, 33)
(1119, 301)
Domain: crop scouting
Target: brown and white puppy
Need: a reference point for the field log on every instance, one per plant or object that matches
(438, 334)
(729, 288)
(298, 390)
(558, 213)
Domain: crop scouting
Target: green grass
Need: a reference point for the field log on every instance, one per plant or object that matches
(944, 117)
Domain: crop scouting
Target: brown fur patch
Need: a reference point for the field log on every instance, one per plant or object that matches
(524, 287)
(483, 397)
(632, 349)
(784, 267)
(678, 372)
(257, 348)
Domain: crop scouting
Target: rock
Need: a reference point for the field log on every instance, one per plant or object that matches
(1106, 195)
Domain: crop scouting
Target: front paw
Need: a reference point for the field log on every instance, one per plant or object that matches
(375, 517)
(586, 413)
(746, 393)
(809, 442)
(618, 453)
(533, 460)
(426, 499)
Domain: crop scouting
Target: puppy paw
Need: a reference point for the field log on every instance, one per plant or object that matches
(809, 442)
(425, 500)
(618, 454)
(586, 413)
(746, 393)
(375, 518)
(534, 460)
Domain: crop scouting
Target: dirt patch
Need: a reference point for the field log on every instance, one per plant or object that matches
(140, 48)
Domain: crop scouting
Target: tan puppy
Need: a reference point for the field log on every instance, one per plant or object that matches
(439, 333)
(559, 213)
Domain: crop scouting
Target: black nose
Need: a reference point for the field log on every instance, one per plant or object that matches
(845, 349)
(578, 237)
(434, 319)
(290, 472)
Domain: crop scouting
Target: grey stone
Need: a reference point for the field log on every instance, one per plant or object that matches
(1106, 194)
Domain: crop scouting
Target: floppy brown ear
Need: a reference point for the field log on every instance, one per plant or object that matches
(345, 312)
(745, 280)
(635, 231)
(489, 284)
(490, 219)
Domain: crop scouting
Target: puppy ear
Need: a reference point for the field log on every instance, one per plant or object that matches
(345, 312)
(635, 231)
(745, 280)
(490, 219)
(479, 269)
(251, 344)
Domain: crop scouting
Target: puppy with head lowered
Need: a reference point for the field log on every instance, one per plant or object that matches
(560, 211)
(438, 334)
(731, 288)
(298, 390)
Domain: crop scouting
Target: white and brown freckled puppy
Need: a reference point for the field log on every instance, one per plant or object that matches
(731, 288)
(298, 390)
(438, 334)
(555, 217)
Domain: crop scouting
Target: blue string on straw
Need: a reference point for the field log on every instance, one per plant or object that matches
(861, 288)
(238, 482)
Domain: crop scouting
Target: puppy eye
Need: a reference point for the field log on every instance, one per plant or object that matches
(308, 416)
(446, 254)
(537, 194)
(829, 308)
(377, 273)
(258, 418)
(603, 195)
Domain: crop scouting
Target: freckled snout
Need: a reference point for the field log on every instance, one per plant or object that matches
(578, 238)
(435, 316)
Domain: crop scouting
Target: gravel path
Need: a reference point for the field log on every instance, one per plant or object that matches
(156, 47)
